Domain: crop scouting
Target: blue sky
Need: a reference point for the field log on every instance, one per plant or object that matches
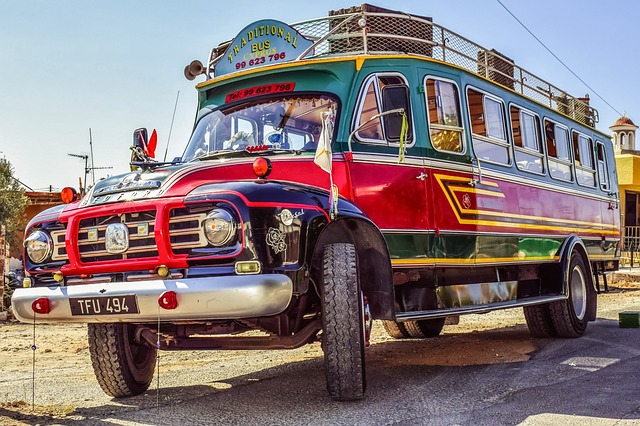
(114, 66)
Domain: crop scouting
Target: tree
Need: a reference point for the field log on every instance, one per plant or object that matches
(13, 201)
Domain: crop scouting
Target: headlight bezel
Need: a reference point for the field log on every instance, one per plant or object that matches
(44, 249)
(219, 227)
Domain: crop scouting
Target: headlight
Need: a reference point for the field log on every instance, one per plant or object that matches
(39, 246)
(219, 227)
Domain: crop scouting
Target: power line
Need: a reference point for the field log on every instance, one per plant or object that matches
(555, 56)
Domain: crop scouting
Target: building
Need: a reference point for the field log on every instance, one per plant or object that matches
(628, 165)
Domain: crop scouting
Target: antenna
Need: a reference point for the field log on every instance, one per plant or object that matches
(85, 157)
(171, 128)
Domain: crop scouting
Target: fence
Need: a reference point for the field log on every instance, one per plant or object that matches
(630, 255)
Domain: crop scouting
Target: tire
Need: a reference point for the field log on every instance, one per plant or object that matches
(396, 330)
(122, 366)
(569, 317)
(539, 320)
(343, 323)
(425, 328)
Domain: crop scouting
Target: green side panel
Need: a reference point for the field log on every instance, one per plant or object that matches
(409, 246)
(470, 247)
(497, 246)
(455, 247)
(539, 247)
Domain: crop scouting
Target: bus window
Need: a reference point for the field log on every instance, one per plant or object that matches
(443, 109)
(526, 140)
(583, 154)
(603, 172)
(372, 130)
(558, 151)
(488, 128)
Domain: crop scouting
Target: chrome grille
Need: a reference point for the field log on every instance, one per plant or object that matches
(59, 249)
(185, 231)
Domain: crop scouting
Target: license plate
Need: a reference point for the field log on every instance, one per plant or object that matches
(104, 305)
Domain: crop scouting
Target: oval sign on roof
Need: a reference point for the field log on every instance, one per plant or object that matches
(264, 42)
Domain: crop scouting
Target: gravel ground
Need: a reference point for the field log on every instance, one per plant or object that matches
(287, 387)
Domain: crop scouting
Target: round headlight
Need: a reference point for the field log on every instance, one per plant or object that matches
(219, 227)
(39, 246)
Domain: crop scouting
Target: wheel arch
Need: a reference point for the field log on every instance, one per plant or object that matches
(374, 267)
(571, 244)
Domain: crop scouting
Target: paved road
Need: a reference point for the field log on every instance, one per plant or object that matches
(449, 380)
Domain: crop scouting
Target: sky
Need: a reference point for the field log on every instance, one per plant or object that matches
(114, 66)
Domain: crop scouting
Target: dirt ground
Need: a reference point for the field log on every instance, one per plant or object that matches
(54, 381)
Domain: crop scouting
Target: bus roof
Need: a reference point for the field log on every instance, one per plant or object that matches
(370, 30)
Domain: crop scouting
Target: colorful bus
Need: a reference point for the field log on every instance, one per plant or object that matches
(366, 165)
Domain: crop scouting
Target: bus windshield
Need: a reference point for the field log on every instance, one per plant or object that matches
(289, 123)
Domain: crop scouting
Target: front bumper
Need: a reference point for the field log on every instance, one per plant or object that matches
(211, 298)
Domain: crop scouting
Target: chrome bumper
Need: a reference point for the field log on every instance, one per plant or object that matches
(228, 297)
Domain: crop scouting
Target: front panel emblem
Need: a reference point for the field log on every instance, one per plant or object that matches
(275, 240)
(117, 238)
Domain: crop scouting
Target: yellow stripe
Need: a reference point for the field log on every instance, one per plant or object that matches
(415, 261)
(582, 226)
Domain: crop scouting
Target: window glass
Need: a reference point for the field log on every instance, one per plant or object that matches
(495, 119)
(443, 109)
(526, 140)
(488, 128)
(585, 170)
(369, 108)
(602, 166)
(370, 105)
(557, 139)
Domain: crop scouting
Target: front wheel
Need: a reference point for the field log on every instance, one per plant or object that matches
(569, 317)
(343, 323)
(122, 366)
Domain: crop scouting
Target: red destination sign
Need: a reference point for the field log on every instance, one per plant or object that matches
(260, 90)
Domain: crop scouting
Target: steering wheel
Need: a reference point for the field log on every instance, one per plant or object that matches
(277, 139)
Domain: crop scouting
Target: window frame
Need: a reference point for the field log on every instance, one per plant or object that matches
(566, 162)
(540, 152)
(444, 127)
(578, 158)
(506, 143)
(606, 184)
(373, 79)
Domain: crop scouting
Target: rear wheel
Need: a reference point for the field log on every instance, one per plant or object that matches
(425, 328)
(343, 323)
(569, 317)
(539, 320)
(122, 366)
(395, 329)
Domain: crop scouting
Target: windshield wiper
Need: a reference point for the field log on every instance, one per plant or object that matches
(247, 152)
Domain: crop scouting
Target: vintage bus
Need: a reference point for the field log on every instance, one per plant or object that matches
(366, 165)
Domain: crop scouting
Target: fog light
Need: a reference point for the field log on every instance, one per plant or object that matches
(168, 300)
(58, 276)
(249, 267)
(26, 282)
(41, 306)
(163, 271)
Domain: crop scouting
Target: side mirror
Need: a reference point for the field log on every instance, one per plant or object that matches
(395, 97)
(137, 149)
(140, 138)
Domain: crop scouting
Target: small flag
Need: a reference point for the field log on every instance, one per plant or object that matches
(323, 156)
(150, 148)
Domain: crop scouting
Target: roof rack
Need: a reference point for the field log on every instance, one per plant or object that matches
(370, 30)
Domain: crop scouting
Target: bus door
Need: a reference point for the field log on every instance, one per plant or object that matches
(387, 175)
(451, 173)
